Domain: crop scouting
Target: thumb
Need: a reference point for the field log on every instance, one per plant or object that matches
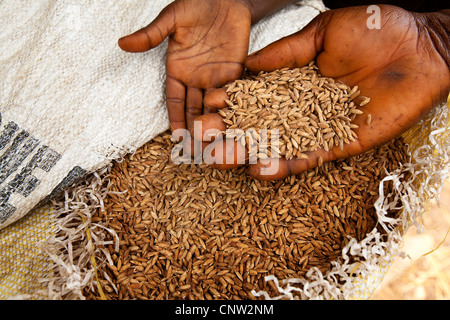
(369, 134)
(276, 169)
(152, 35)
(293, 51)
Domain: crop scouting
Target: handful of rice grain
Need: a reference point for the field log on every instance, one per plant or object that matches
(308, 112)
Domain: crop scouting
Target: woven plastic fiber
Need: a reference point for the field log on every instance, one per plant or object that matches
(416, 137)
(22, 263)
(71, 102)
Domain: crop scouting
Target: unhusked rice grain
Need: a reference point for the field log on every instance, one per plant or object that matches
(306, 110)
(192, 232)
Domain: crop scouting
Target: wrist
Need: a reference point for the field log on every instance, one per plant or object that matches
(437, 26)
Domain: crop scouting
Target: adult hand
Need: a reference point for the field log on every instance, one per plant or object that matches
(208, 44)
(403, 67)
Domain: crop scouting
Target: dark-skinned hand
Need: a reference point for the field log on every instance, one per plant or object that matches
(403, 67)
(208, 43)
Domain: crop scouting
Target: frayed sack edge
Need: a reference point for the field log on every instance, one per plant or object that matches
(76, 250)
(426, 173)
(77, 253)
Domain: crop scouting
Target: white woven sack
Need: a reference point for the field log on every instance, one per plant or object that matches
(71, 100)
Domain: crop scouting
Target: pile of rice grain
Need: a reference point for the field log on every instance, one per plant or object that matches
(308, 111)
(193, 232)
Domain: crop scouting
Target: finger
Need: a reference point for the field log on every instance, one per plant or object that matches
(193, 147)
(194, 105)
(292, 51)
(175, 99)
(225, 154)
(152, 35)
(276, 169)
(215, 98)
(209, 124)
(207, 109)
(370, 134)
